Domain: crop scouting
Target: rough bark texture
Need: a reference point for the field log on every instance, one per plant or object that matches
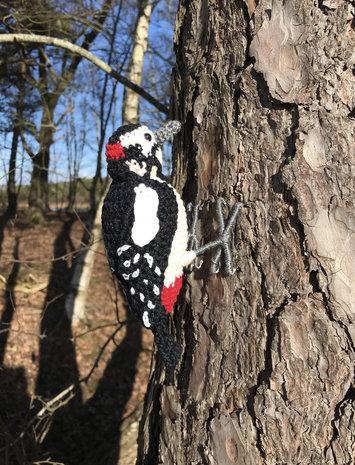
(266, 96)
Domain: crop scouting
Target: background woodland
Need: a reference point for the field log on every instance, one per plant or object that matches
(265, 93)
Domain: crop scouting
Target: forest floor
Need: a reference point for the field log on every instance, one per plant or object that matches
(41, 355)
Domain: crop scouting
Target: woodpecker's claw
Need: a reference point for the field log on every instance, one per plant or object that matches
(223, 241)
(193, 242)
(215, 262)
(224, 236)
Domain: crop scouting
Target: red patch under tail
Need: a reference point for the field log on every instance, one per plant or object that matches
(169, 294)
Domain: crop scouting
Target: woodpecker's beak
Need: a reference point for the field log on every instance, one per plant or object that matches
(168, 130)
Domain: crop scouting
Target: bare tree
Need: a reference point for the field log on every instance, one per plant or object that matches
(265, 91)
(18, 105)
(83, 53)
(75, 148)
(75, 302)
(51, 82)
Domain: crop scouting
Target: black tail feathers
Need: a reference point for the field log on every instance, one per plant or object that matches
(169, 349)
(158, 322)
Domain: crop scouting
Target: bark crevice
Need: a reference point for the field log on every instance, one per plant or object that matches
(339, 412)
(264, 366)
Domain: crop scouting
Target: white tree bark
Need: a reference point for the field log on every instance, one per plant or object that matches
(75, 302)
(130, 110)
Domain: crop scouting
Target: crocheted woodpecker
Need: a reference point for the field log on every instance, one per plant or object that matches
(145, 230)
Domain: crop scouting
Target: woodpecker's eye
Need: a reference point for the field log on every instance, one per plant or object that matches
(148, 136)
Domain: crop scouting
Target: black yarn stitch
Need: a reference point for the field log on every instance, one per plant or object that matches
(117, 223)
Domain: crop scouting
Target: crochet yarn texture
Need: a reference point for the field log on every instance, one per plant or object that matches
(145, 230)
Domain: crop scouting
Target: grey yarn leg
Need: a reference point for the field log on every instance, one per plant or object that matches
(193, 242)
(215, 262)
(223, 241)
(225, 237)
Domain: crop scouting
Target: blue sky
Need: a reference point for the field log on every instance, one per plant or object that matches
(82, 118)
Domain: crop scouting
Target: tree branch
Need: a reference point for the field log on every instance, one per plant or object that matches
(61, 43)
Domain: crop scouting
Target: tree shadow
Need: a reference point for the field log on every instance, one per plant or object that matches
(90, 433)
(57, 360)
(81, 433)
(9, 309)
(78, 433)
(14, 401)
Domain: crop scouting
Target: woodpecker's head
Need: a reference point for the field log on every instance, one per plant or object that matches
(135, 148)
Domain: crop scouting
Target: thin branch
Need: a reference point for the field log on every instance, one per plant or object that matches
(65, 396)
(68, 110)
(48, 409)
(18, 38)
(24, 143)
(95, 364)
(65, 257)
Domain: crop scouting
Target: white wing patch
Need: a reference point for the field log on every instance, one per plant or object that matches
(146, 321)
(149, 259)
(122, 249)
(156, 289)
(157, 270)
(146, 222)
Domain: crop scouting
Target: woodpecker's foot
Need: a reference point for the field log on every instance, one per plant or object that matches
(224, 236)
(223, 241)
(193, 242)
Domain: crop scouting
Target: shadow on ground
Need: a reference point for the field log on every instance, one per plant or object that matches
(78, 433)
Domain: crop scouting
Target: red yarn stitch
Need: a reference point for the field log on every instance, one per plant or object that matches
(169, 294)
(114, 152)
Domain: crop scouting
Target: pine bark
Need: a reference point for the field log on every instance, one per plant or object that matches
(266, 97)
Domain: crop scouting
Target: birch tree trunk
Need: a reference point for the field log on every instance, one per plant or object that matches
(76, 299)
(130, 108)
(266, 96)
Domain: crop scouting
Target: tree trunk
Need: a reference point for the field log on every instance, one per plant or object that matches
(73, 183)
(130, 108)
(11, 183)
(12, 193)
(266, 375)
(75, 301)
(38, 195)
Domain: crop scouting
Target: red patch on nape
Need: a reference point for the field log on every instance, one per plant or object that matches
(114, 152)
(169, 294)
